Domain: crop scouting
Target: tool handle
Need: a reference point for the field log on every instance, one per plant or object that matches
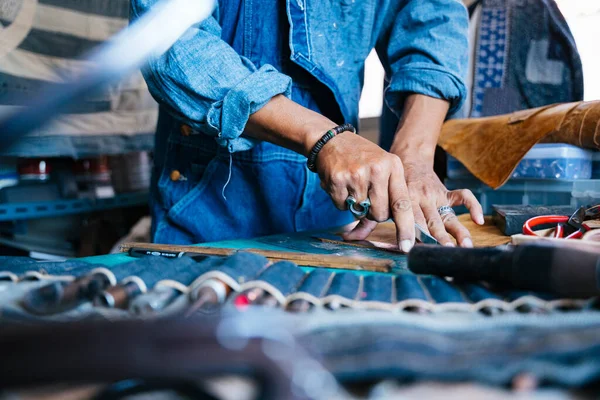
(561, 270)
(467, 264)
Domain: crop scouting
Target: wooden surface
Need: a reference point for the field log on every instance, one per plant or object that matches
(384, 236)
(303, 259)
(488, 235)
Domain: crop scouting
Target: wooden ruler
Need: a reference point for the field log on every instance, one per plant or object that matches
(302, 259)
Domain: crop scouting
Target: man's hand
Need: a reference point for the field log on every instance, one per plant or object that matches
(415, 144)
(348, 165)
(400, 184)
(428, 194)
(353, 166)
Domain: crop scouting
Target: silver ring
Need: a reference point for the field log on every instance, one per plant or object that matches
(446, 212)
(362, 211)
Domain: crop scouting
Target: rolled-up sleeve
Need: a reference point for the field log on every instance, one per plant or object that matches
(424, 50)
(204, 82)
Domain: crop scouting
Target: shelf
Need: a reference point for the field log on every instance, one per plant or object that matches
(24, 211)
(513, 185)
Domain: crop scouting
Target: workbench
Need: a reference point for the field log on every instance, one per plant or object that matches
(359, 345)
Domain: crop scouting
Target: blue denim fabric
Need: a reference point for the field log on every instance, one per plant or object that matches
(558, 348)
(270, 190)
(228, 67)
(214, 82)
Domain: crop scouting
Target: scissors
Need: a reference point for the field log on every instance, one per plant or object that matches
(573, 227)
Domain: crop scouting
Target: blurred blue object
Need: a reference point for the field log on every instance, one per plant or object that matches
(152, 34)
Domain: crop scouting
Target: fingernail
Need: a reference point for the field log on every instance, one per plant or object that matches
(480, 220)
(468, 243)
(406, 245)
(449, 244)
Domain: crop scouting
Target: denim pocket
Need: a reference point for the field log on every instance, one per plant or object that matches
(184, 170)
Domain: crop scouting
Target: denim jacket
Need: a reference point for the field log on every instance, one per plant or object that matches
(209, 86)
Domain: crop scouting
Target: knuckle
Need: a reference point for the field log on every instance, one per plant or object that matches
(466, 194)
(401, 205)
(397, 163)
(428, 191)
(377, 170)
(338, 179)
(357, 175)
(435, 225)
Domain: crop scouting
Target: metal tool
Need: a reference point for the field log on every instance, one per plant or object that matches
(207, 296)
(423, 236)
(121, 295)
(61, 296)
(154, 301)
(573, 227)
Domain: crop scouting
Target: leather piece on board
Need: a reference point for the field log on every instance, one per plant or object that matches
(384, 235)
(492, 147)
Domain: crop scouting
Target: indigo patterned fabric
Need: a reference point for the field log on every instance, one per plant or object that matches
(491, 57)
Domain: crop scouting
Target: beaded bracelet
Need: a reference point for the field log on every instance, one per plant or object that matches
(330, 134)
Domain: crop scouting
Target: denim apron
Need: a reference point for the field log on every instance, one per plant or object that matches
(202, 193)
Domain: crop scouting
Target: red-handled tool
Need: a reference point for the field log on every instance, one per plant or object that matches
(572, 227)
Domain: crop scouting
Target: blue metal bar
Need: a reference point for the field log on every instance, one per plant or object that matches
(24, 211)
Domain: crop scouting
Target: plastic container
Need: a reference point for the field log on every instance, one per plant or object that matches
(586, 193)
(131, 172)
(596, 165)
(543, 161)
(517, 192)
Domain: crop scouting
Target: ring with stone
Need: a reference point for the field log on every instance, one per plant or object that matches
(446, 212)
(363, 207)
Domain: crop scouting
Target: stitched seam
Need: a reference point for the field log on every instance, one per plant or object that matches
(291, 22)
(248, 28)
(306, 31)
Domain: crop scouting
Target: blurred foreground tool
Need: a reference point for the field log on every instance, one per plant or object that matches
(207, 296)
(491, 148)
(155, 300)
(302, 259)
(151, 35)
(167, 354)
(121, 295)
(511, 218)
(556, 269)
(61, 296)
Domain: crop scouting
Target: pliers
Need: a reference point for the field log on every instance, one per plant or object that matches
(572, 227)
